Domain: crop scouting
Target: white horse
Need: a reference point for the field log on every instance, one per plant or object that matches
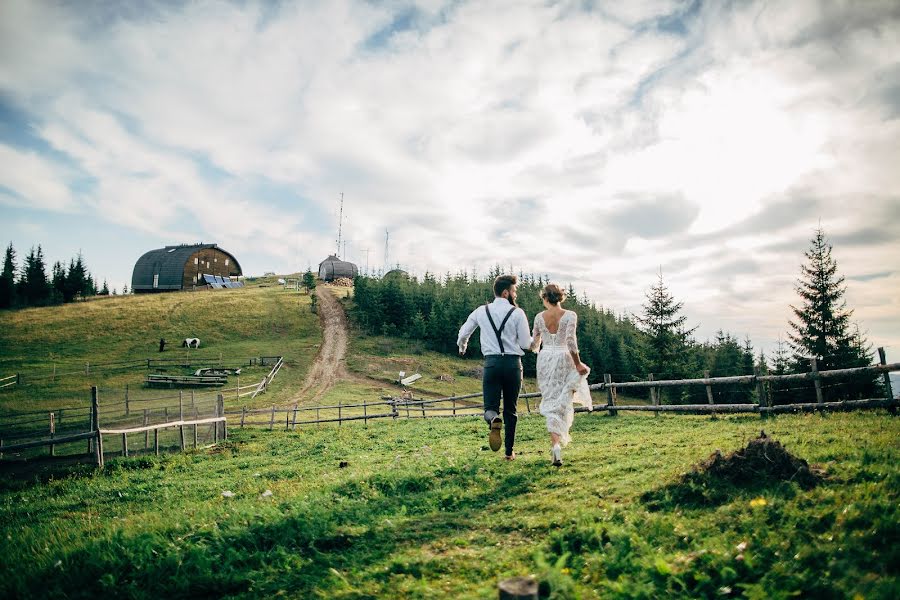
(191, 343)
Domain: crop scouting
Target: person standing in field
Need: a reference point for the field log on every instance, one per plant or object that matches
(561, 376)
(504, 339)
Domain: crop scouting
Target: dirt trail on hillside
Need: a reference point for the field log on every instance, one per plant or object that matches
(330, 365)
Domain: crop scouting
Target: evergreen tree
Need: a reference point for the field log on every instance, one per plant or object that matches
(34, 289)
(104, 291)
(8, 279)
(821, 328)
(125, 290)
(309, 280)
(663, 326)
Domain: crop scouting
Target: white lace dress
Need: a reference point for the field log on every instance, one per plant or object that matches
(558, 380)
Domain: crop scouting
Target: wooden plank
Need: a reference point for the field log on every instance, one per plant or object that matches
(75, 437)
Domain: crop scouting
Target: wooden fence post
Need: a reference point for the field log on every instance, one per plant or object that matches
(294, 422)
(317, 416)
(196, 418)
(243, 415)
(95, 411)
(166, 413)
(146, 433)
(610, 399)
(192, 400)
(52, 433)
(709, 392)
(365, 415)
(816, 381)
(91, 426)
(221, 412)
(340, 405)
(127, 408)
(454, 407)
(287, 420)
(272, 422)
(181, 418)
(654, 395)
(882, 359)
(156, 441)
(761, 393)
(237, 391)
(124, 444)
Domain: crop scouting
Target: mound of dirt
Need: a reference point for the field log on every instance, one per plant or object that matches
(762, 464)
(763, 459)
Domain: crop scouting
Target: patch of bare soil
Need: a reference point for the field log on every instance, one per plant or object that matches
(763, 464)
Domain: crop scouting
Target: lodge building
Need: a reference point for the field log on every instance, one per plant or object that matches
(185, 267)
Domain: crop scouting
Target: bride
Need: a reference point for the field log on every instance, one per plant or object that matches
(561, 376)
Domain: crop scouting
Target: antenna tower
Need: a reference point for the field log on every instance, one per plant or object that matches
(340, 223)
(387, 237)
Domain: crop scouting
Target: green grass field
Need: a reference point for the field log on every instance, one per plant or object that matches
(232, 324)
(421, 509)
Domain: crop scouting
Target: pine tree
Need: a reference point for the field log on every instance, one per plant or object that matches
(125, 290)
(664, 327)
(309, 280)
(104, 291)
(34, 289)
(8, 279)
(821, 328)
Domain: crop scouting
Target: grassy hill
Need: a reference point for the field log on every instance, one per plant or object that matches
(232, 324)
(422, 510)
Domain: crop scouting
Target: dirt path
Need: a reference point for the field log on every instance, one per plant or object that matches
(330, 365)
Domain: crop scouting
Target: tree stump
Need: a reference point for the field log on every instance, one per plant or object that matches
(519, 588)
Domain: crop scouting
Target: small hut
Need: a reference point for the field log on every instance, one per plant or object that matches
(333, 267)
(396, 274)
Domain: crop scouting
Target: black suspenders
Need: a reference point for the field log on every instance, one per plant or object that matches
(497, 332)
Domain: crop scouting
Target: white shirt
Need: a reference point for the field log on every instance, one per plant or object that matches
(515, 335)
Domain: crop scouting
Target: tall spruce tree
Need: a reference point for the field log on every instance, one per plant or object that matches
(34, 288)
(663, 325)
(8, 279)
(821, 328)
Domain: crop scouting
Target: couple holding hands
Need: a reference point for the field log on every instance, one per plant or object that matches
(561, 376)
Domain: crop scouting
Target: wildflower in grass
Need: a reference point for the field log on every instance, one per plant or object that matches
(758, 502)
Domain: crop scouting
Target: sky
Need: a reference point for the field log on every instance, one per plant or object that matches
(599, 143)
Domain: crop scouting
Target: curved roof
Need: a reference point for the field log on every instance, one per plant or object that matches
(396, 273)
(168, 263)
(333, 267)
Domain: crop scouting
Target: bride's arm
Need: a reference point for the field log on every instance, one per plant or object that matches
(572, 345)
(536, 334)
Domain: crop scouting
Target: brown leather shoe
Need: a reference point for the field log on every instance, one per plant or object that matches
(494, 436)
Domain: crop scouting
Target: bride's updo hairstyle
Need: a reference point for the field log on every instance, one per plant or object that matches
(553, 294)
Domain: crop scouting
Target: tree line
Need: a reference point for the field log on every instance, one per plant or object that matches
(633, 346)
(30, 285)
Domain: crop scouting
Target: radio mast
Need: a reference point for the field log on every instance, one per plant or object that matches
(340, 223)
(387, 236)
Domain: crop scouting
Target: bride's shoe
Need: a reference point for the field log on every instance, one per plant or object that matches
(556, 455)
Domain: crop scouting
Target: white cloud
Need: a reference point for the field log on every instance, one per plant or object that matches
(482, 133)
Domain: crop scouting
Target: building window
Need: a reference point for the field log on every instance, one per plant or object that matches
(196, 261)
(226, 262)
(216, 259)
(156, 281)
(195, 279)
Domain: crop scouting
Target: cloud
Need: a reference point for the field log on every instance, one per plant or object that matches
(591, 140)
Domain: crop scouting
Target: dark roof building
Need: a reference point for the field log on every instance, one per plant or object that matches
(332, 267)
(397, 273)
(184, 267)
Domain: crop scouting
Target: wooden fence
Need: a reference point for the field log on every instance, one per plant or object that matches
(95, 433)
(466, 405)
(189, 360)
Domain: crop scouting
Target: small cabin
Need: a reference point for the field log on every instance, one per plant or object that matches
(185, 267)
(333, 268)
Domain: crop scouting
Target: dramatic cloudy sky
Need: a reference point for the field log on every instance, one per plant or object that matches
(597, 142)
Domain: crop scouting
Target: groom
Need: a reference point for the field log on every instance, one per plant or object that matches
(504, 338)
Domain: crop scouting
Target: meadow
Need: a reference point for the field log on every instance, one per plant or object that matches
(421, 508)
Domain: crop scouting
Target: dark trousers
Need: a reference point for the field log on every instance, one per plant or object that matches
(502, 377)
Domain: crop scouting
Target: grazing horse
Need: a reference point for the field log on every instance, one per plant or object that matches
(191, 343)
